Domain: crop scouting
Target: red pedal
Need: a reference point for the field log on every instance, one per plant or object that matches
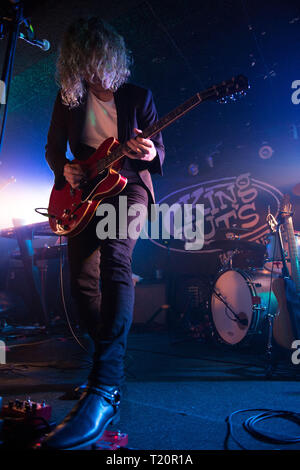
(111, 440)
(26, 409)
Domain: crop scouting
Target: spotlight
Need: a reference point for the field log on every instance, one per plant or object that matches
(193, 169)
(265, 152)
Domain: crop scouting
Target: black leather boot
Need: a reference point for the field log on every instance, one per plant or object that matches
(97, 408)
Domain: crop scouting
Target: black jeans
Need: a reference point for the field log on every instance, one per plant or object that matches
(106, 311)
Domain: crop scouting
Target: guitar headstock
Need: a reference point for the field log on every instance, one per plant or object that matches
(285, 210)
(228, 90)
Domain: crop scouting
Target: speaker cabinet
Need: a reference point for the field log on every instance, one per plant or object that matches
(149, 297)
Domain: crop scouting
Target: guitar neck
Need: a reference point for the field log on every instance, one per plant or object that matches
(223, 91)
(172, 116)
(158, 126)
(293, 252)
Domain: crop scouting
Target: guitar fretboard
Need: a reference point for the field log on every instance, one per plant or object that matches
(226, 89)
(172, 116)
(154, 129)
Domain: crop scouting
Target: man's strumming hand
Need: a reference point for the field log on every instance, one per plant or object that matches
(142, 149)
(73, 174)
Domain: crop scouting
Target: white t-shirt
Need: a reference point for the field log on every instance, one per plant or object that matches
(100, 121)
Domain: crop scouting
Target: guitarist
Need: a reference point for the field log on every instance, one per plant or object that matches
(94, 103)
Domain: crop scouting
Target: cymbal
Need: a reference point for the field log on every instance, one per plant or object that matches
(234, 230)
(230, 245)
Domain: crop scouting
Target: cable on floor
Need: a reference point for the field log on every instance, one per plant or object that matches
(269, 437)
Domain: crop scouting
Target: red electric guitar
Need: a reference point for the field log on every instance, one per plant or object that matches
(71, 210)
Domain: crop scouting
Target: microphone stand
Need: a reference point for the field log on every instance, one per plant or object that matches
(284, 273)
(13, 24)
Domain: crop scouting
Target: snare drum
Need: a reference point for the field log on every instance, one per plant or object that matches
(239, 304)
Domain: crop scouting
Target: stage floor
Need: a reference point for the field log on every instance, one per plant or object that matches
(177, 394)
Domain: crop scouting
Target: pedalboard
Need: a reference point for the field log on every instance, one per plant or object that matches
(26, 409)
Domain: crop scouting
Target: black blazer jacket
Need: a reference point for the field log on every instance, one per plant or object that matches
(135, 108)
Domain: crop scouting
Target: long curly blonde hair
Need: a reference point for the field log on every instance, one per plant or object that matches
(91, 52)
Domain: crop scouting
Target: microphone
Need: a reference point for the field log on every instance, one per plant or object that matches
(41, 43)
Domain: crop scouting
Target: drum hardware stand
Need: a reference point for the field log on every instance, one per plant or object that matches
(275, 226)
(227, 259)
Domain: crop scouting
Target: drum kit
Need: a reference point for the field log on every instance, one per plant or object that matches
(242, 300)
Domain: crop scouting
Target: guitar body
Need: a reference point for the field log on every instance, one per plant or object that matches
(70, 210)
(288, 307)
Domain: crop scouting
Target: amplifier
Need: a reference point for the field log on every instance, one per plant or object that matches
(149, 297)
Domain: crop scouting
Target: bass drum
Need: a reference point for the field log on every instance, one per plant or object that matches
(239, 304)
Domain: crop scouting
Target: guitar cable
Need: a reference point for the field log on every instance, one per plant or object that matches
(251, 426)
(62, 292)
(45, 212)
